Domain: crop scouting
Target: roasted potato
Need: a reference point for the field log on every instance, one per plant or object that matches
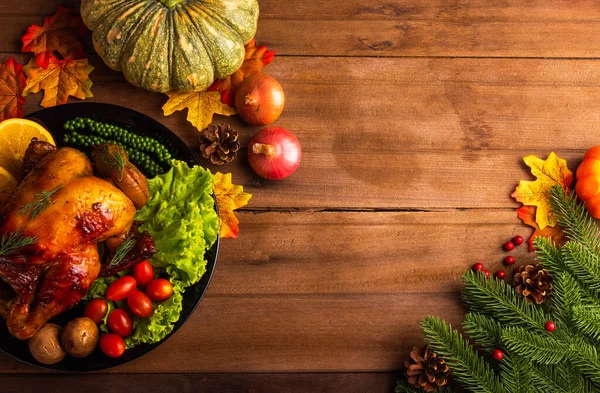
(45, 345)
(80, 337)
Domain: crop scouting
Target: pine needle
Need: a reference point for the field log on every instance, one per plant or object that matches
(40, 203)
(13, 241)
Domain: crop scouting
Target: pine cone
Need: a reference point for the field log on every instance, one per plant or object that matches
(426, 370)
(533, 282)
(219, 143)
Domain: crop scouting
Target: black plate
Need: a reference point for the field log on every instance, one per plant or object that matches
(53, 119)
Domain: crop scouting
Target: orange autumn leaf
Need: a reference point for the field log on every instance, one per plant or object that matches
(59, 33)
(229, 198)
(255, 59)
(527, 215)
(548, 172)
(62, 78)
(12, 83)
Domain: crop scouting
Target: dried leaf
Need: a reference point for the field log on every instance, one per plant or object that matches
(62, 78)
(256, 58)
(537, 193)
(12, 83)
(201, 106)
(229, 198)
(527, 215)
(59, 33)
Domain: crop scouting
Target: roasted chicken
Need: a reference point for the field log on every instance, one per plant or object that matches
(61, 211)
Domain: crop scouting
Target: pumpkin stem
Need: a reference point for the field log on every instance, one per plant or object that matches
(264, 149)
(251, 101)
(171, 3)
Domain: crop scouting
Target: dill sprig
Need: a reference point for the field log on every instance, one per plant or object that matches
(123, 249)
(12, 241)
(114, 160)
(39, 203)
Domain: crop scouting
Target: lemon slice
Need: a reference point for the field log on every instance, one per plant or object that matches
(15, 136)
(7, 185)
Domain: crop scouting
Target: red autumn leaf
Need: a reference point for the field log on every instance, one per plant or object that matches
(59, 33)
(12, 83)
(256, 58)
(527, 215)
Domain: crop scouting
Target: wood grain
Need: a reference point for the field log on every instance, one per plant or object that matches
(397, 27)
(204, 383)
(363, 253)
(292, 333)
(406, 133)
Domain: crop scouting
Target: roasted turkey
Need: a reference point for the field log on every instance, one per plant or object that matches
(65, 212)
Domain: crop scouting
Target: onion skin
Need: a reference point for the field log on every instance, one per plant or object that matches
(274, 153)
(260, 99)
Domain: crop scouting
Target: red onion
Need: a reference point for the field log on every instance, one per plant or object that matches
(274, 153)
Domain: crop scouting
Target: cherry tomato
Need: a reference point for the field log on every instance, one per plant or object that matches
(121, 288)
(140, 304)
(143, 273)
(112, 345)
(96, 310)
(119, 322)
(159, 289)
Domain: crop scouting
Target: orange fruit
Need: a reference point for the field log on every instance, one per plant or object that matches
(15, 136)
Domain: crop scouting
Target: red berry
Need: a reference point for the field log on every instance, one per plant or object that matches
(518, 240)
(549, 326)
(501, 274)
(478, 267)
(497, 355)
(487, 273)
(509, 260)
(509, 246)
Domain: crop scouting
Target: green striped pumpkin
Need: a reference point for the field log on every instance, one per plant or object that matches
(171, 45)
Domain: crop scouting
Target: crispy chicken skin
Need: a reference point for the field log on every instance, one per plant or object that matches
(53, 274)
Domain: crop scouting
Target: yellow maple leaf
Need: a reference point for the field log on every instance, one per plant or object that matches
(201, 106)
(61, 79)
(229, 198)
(548, 172)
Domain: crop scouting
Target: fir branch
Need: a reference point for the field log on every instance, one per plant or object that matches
(549, 379)
(10, 242)
(577, 224)
(583, 263)
(539, 348)
(587, 319)
(498, 300)
(40, 202)
(483, 330)
(549, 255)
(471, 370)
(516, 374)
(122, 251)
(566, 294)
(584, 358)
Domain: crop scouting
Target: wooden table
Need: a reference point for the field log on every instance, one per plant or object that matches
(414, 117)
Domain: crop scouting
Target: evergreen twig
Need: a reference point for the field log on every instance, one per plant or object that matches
(467, 366)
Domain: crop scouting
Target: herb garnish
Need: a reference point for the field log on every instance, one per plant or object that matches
(123, 249)
(12, 241)
(39, 203)
(114, 160)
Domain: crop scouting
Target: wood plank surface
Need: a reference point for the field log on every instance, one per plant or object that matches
(330, 291)
(205, 383)
(514, 28)
(452, 131)
(292, 333)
